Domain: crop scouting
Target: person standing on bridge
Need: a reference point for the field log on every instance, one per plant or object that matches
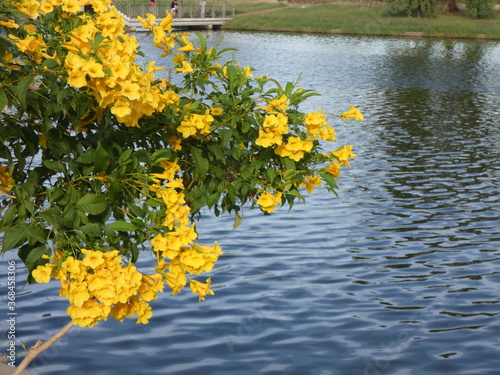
(152, 6)
(174, 9)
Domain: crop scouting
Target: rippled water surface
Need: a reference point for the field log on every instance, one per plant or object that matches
(398, 275)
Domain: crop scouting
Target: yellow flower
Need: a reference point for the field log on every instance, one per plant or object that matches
(176, 280)
(79, 293)
(6, 180)
(72, 265)
(11, 24)
(120, 311)
(145, 24)
(317, 126)
(76, 78)
(42, 273)
(186, 68)
(131, 90)
(295, 148)
(29, 7)
(46, 7)
(352, 113)
(89, 314)
(93, 259)
(343, 154)
(196, 123)
(42, 141)
(311, 182)
(333, 169)
(150, 286)
(248, 71)
(143, 312)
(166, 22)
(268, 139)
(187, 48)
(280, 103)
(94, 69)
(175, 143)
(268, 202)
(192, 260)
(200, 288)
(170, 168)
(216, 111)
(71, 6)
(121, 108)
(100, 279)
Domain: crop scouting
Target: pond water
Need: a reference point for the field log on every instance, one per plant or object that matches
(398, 275)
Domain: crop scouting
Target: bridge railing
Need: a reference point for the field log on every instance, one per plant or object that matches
(184, 10)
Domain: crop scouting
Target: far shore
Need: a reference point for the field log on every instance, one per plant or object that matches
(364, 17)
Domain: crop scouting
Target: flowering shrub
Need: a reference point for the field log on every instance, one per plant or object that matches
(100, 157)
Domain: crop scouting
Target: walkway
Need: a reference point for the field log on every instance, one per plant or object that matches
(189, 16)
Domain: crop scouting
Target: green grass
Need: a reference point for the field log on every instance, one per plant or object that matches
(248, 7)
(353, 19)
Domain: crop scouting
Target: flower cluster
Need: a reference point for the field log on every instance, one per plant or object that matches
(176, 252)
(196, 123)
(100, 285)
(273, 129)
(274, 133)
(317, 126)
(338, 158)
(101, 57)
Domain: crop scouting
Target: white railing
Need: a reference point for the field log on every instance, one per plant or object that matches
(188, 11)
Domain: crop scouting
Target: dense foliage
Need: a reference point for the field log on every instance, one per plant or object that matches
(413, 8)
(101, 157)
(480, 8)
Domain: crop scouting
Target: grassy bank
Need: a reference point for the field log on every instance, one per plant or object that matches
(351, 18)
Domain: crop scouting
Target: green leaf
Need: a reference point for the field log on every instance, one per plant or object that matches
(225, 135)
(236, 152)
(237, 220)
(93, 204)
(200, 162)
(3, 98)
(21, 89)
(87, 157)
(125, 157)
(54, 165)
(153, 203)
(35, 234)
(122, 225)
(92, 229)
(296, 194)
(13, 237)
(101, 159)
(52, 216)
(213, 199)
(289, 163)
(330, 181)
(35, 255)
(217, 151)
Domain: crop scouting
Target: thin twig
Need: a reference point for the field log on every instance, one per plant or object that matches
(7, 195)
(41, 346)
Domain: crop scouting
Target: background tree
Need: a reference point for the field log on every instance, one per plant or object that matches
(413, 8)
(451, 7)
(479, 8)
